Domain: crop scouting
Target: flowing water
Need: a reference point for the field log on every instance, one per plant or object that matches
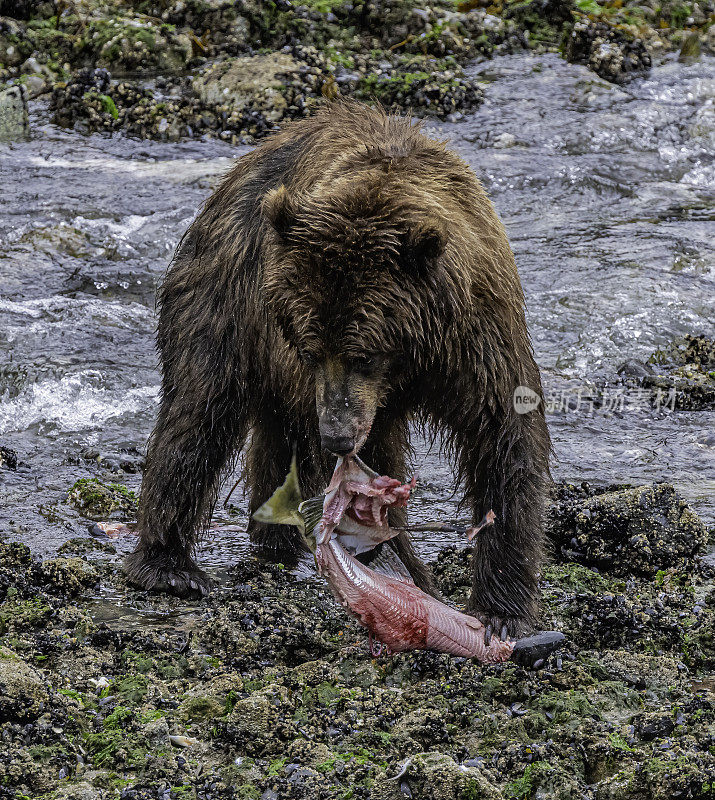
(607, 195)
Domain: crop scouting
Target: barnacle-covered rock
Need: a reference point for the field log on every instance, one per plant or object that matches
(683, 373)
(608, 51)
(68, 576)
(637, 530)
(23, 695)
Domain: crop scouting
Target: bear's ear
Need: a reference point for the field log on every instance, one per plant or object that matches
(425, 242)
(279, 209)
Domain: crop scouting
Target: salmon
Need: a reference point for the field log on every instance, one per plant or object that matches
(352, 518)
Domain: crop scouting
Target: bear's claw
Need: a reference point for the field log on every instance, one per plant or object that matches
(158, 574)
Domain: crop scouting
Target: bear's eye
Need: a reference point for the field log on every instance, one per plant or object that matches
(366, 364)
(309, 359)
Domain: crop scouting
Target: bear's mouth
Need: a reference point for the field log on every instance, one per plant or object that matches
(361, 438)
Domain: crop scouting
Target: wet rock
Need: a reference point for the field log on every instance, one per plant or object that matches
(201, 708)
(634, 369)
(634, 615)
(261, 723)
(422, 86)
(127, 459)
(36, 86)
(82, 546)
(653, 725)
(220, 691)
(15, 562)
(20, 614)
(504, 140)
(684, 374)
(672, 775)
(419, 728)
(68, 576)
(436, 775)
(690, 50)
(97, 500)
(32, 67)
(248, 80)
(241, 115)
(23, 696)
(156, 733)
(78, 791)
(14, 121)
(13, 47)
(697, 350)
(8, 458)
(53, 239)
(135, 42)
(608, 51)
(629, 531)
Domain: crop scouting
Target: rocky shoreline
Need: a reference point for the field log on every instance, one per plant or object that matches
(238, 70)
(267, 690)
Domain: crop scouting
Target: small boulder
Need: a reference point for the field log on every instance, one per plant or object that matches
(68, 576)
(683, 376)
(260, 723)
(609, 52)
(78, 791)
(8, 458)
(437, 776)
(637, 530)
(98, 500)
(23, 696)
(14, 121)
(248, 81)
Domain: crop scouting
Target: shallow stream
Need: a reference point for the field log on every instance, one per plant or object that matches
(607, 194)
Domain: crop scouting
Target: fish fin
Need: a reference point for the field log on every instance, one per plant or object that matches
(282, 507)
(473, 622)
(387, 562)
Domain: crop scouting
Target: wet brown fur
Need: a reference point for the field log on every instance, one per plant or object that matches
(348, 239)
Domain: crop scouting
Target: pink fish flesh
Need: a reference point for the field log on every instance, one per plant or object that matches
(395, 611)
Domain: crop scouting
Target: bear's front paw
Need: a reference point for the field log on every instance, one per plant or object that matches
(159, 574)
(502, 627)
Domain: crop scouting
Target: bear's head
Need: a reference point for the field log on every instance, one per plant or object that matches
(355, 281)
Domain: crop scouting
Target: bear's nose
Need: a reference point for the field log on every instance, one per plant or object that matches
(338, 445)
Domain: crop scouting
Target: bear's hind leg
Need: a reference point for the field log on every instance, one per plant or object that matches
(268, 461)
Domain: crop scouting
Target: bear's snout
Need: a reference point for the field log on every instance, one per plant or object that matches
(337, 445)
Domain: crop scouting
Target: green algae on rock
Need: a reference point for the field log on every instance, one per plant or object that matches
(97, 500)
(626, 531)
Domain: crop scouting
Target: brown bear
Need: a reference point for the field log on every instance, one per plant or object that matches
(348, 277)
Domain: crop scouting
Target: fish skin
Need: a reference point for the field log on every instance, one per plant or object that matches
(394, 610)
(402, 616)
